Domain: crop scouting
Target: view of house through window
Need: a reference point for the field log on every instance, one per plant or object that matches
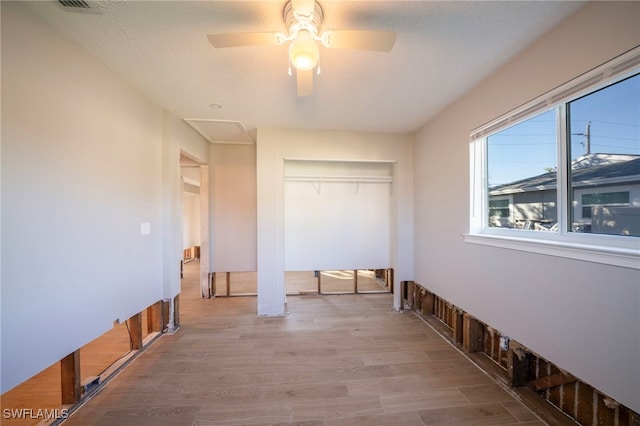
(522, 174)
(604, 132)
(603, 166)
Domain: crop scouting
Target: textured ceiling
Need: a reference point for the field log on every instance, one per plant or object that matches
(442, 50)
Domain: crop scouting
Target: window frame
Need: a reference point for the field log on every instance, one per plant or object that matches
(615, 250)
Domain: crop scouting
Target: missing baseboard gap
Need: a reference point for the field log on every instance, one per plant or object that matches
(437, 325)
(93, 385)
(515, 366)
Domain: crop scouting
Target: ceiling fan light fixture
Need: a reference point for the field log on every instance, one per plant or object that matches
(304, 51)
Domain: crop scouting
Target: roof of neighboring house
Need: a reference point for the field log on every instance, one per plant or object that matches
(587, 170)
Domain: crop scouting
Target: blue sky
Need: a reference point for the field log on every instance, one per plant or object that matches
(526, 149)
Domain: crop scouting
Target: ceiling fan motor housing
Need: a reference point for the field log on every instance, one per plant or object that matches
(296, 21)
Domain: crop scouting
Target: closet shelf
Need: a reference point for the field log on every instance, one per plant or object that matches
(345, 179)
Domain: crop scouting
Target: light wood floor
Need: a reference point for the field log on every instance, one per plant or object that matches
(333, 360)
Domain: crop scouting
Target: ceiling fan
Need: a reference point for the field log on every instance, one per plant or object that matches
(303, 19)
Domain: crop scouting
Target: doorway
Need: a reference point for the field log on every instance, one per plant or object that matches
(194, 206)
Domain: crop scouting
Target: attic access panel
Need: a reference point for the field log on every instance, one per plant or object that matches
(221, 131)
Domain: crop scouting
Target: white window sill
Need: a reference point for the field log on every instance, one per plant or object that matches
(627, 257)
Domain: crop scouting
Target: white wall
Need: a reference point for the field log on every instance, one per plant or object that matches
(178, 138)
(191, 220)
(233, 207)
(276, 145)
(582, 316)
(86, 160)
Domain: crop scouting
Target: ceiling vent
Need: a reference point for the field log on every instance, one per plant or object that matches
(78, 6)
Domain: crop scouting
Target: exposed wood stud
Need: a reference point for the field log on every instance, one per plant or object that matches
(504, 358)
(410, 293)
(165, 315)
(417, 299)
(436, 304)
(584, 409)
(228, 278)
(154, 317)
(176, 311)
(543, 371)
(568, 403)
(623, 416)
(458, 327)
(428, 303)
(487, 341)
(495, 346)
(575, 398)
(319, 282)
(355, 281)
(547, 382)
(445, 312)
(70, 378)
(135, 331)
(606, 411)
(555, 392)
(627, 417)
(518, 367)
(473, 333)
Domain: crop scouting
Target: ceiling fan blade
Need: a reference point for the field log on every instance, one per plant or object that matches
(381, 41)
(242, 39)
(304, 81)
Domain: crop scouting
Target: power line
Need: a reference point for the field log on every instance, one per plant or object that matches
(616, 123)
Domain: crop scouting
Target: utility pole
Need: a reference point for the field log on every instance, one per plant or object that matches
(587, 138)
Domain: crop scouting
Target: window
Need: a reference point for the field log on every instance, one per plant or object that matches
(561, 175)
(499, 208)
(521, 163)
(609, 199)
(603, 142)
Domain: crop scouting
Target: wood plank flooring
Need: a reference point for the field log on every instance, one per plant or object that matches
(333, 360)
